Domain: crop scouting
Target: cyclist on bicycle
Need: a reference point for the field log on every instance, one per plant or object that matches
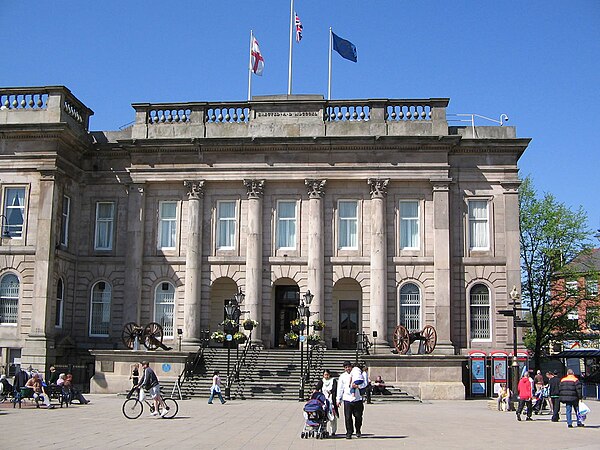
(150, 382)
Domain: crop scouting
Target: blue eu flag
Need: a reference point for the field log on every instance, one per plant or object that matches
(345, 48)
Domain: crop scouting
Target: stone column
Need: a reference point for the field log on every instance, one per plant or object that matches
(134, 254)
(193, 264)
(253, 301)
(378, 303)
(38, 340)
(316, 249)
(513, 246)
(441, 264)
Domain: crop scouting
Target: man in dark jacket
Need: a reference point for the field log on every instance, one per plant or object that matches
(570, 394)
(553, 388)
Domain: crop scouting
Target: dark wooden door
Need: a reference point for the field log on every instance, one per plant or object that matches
(287, 298)
(348, 323)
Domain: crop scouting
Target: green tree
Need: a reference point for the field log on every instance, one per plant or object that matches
(552, 236)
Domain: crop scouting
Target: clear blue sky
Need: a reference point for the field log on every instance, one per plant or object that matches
(537, 61)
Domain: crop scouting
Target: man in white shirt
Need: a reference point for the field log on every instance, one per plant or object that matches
(348, 392)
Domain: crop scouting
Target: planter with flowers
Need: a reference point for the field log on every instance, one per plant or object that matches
(297, 325)
(240, 337)
(249, 324)
(318, 325)
(218, 336)
(313, 339)
(291, 339)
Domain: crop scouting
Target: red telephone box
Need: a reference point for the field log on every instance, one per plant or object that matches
(499, 369)
(478, 372)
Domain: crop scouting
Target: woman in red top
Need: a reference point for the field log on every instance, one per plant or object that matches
(524, 389)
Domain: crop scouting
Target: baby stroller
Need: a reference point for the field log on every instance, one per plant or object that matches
(315, 415)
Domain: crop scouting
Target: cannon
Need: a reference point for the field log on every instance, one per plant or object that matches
(403, 339)
(151, 336)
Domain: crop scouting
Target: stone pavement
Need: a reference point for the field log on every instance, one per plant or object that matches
(253, 424)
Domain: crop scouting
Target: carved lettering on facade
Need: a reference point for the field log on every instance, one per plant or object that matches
(378, 187)
(195, 188)
(254, 188)
(316, 188)
(288, 114)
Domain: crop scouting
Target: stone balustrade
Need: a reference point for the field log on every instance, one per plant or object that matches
(48, 104)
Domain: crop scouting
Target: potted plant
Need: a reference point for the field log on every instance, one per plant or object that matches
(291, 339)
(313, 339)
(318, 325)
(240, 337)
(297, 325)
(218, 336)
(249, 324)
(230, 326)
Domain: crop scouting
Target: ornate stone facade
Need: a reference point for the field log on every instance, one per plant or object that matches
(386, 218)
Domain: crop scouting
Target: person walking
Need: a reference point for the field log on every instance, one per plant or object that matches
(328, 386)
(570, 392)
(524, 390)
(553, 392)
(134, 374)
(348, 393)
(216, 388)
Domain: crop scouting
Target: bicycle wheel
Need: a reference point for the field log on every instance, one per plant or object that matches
(172, 408)
(132, 408)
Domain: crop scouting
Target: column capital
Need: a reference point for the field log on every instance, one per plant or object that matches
(378, 187)
(315, 188)
(195, 188)
(254, 188)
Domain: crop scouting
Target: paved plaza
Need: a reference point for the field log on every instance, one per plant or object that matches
(277, 425)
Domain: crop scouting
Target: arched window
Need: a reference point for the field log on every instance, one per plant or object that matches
(410, 307)
(9, 299)
(100, 309)
(164, 303)
(60, 296)
(480, 312)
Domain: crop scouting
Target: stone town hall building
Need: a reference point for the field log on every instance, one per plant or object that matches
(378, 207)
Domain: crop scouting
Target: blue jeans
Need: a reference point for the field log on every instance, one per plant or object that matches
(570, 406)
(212, 395)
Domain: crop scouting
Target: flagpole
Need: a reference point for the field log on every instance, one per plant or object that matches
(291, 47)
(250, 69)
(329, 78)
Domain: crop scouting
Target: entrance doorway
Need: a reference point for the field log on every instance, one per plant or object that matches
(348, 324)
(287, 298)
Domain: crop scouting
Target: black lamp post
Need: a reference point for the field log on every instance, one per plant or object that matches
(232, 313)
(303, 311)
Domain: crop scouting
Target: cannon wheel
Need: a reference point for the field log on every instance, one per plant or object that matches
(401, 339)
(153, 336)
(128, 334)
(430, 336)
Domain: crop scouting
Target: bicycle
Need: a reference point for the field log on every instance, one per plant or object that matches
(133, 407)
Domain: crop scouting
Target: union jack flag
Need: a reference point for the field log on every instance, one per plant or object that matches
(298, 28)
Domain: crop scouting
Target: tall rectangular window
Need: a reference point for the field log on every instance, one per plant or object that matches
(226, 224)
(480, 312)
(100, 309)
(479, 238)
(60, 297)
(286, 224)
(14, 212)
(591, 288)
(167, 229)
(64, 226)
(348, 223)
(105, 213)
(409, 225)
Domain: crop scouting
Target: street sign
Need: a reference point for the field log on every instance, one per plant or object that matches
(522, 323)
(506, 312)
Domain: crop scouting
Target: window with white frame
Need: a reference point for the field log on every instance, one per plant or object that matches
(64, 226)
(591, 287)
(167, 228)
(286, 224)
(226, 224)
(14, 212)
(410, 307)
(479, 229)
(348, 224)
(105, 217)
(572, 288)
(100, 309)
(60, 297)
(480, 312)
(573, 314)
(164, 304)
(409, 225)
(9, 299)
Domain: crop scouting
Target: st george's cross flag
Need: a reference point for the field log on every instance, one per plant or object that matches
(257, 60)
(298, 27)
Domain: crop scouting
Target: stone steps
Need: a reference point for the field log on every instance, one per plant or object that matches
(271, 374)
